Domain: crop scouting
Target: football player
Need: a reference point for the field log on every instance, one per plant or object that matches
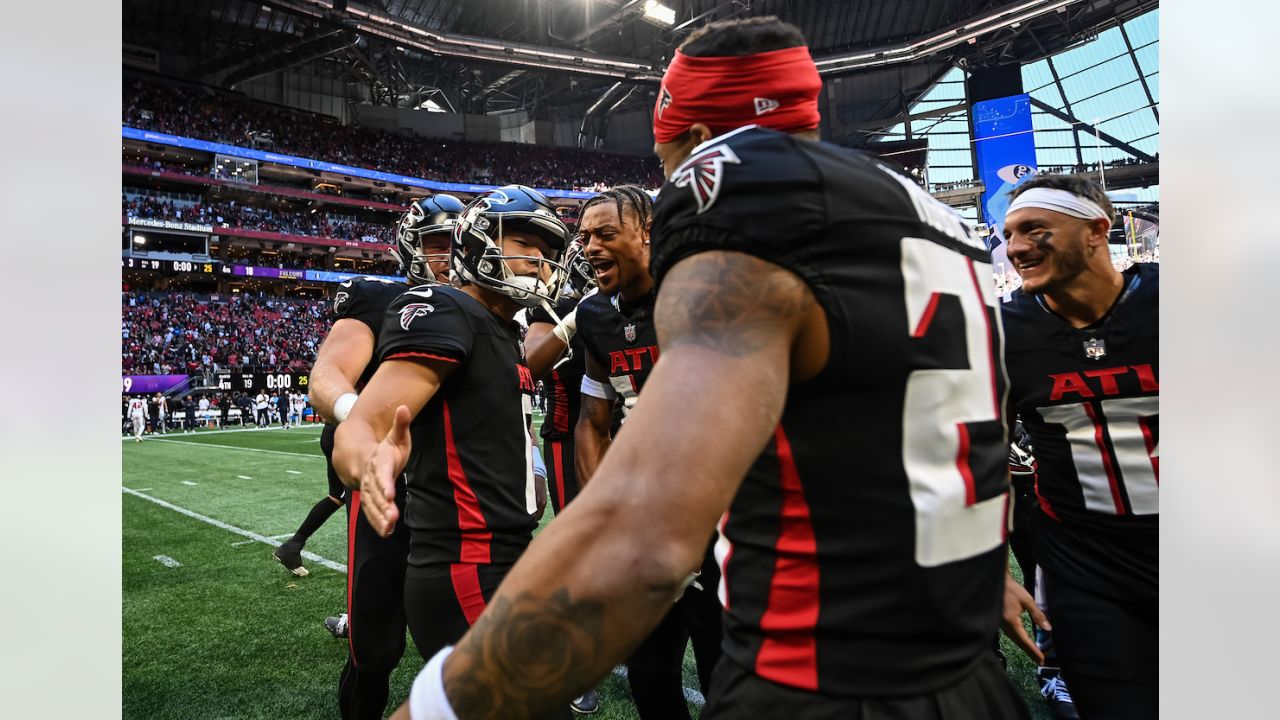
(1084, 366)
(138, 415)
(616, 326)
(449, 408)
(556, 357)
(162, 413)
(862, 553)
(374, 623)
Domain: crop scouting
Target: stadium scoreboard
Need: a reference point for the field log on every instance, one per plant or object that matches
(254, 381)
(174, 266)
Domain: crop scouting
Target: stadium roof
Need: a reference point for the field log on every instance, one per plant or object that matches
(554, 58)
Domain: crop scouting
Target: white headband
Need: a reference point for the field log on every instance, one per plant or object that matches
(1067, 203)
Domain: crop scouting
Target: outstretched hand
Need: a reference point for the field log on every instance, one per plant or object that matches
(378, 476)
(1017, 600)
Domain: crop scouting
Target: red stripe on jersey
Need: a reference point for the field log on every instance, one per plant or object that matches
(1044, 502)
(788, 654)
(471, 523)
(407, 355)
(1151, 447)
(557, 461)
(466, 586)
(1099, 432)
(991, 352)
(962, 464)
(560, 410)
(352, 516)
(926, 319)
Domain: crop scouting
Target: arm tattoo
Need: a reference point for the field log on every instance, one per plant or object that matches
(728, 302)
(522, 652)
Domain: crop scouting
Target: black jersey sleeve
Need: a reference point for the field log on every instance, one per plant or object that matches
(753, 191)
(426, 323)
(365, 299)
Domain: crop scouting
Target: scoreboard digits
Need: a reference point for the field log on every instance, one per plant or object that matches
(261, 381)
(174, 266)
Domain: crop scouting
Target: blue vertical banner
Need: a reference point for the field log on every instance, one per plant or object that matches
(1005, 147)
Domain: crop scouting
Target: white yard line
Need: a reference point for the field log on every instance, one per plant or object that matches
(167, 561)
(222, 432)
(294, 472)
(188, 482)
(238, 543)
(239, 531)
(244, 477)
(243, 449)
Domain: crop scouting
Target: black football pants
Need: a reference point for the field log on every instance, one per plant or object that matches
(562, 479)
(375, 614)
(655, 669)
(1109, 652)
(984, 694)
(441, 602)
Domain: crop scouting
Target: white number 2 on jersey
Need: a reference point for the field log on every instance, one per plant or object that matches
(954, 519)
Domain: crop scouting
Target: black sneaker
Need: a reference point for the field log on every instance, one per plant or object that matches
(1054, 689)
(587, 704)
(337, 626)
(290, 556)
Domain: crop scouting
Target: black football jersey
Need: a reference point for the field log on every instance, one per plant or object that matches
(563, 385)
(864, 553)
(1090, 399)
(620, 336)
(366, 299)
(470, 473)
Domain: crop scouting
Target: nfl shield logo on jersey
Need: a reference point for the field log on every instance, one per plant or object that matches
(629, 332)
(1095, 349)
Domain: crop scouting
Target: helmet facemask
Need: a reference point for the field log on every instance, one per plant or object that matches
(436, 221)
(580, 276)
(478, 257)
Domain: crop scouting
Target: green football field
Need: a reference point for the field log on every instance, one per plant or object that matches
(214, 627)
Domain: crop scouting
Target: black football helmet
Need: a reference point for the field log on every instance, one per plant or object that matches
(432, 215)
(477, 249)
(580, 276)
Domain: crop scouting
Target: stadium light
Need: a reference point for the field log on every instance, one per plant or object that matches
(140, 239)
(657, 11)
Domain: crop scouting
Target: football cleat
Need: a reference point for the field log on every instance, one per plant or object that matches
(290, 556)
(1054, 690)
(337, 626)
(586, 704)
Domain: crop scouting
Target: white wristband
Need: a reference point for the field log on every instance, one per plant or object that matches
(597, 389)
(567, 327)
(427, 700)
(342, 406)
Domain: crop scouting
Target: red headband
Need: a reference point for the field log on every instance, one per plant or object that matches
(776, 89)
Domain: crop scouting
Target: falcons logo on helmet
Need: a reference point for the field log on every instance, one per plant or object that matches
(413, 311)
(703, 173)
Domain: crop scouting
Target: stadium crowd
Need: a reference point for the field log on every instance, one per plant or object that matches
(234, 214)
(177, 332)
(235, 120)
